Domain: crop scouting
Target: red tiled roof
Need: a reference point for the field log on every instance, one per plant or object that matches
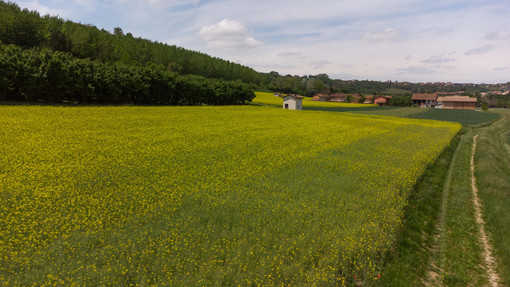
(424, 97)
(322, 96)
(464, 99)
(448, 93)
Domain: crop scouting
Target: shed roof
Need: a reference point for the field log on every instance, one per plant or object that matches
(464, 99)
(424, 97)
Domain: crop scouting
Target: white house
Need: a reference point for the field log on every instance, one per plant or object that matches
(292, 102)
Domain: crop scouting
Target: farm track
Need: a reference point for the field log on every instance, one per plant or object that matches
(490, 262)
(439, 268)
(437, 250)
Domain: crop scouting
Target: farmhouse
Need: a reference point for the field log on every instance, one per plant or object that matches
(292, 102)
(457, 102)
(425, 100)
(341, 98)
(353, 98)
(321, 98)
(381, 100)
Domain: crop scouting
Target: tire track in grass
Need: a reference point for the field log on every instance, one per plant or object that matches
(433, 277)
(490, 263)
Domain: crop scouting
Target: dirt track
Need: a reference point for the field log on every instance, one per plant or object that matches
(490, 263)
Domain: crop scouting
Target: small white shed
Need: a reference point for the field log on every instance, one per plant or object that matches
(292, 102)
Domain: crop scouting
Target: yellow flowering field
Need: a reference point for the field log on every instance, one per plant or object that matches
(192, 196)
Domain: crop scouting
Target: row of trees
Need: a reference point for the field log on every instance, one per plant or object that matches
(28, 29)
(40, 74)
(497, 101)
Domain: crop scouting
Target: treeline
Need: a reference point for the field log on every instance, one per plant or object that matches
(40, 74)
(497, 101)
(321, 83)
(28, 29)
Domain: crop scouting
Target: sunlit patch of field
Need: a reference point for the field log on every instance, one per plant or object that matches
(191, 196)
(270, 99)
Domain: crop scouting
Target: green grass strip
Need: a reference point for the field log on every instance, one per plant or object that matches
(438, 244)
(407, 263)
(492, 162)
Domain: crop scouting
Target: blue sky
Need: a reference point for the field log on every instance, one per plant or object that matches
(404, 40)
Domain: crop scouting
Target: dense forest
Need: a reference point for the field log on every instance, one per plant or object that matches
(40, 74)
(28, 29)
(52, 60)
(114, 66)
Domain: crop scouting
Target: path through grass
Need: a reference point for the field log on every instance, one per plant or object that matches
(492, 162)
(452, 253)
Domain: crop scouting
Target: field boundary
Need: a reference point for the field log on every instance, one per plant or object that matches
(490, 262)
(432, 276)
(407, 264)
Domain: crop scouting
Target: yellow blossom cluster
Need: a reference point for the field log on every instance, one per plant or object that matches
(201, 196)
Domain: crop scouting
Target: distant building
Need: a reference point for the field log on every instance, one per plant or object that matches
(343, 98)
(321, 98)
(339, 98)
(425, 100)
(457, 102)
(369, 99)
(292, 102)
(382, 100)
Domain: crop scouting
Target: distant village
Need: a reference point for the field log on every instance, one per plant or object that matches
(440, 100)
(445, 100)
(353, 98)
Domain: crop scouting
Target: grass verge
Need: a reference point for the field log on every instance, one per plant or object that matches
(492, 162)
(438, 244)
(407, 262)
(459, 256)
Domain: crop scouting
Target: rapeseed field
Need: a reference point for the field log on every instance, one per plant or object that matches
(201, 196)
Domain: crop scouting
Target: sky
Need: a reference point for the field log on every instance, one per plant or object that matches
(461, 41)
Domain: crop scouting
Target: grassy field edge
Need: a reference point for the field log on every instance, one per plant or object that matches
(492, 162)
(407, 262)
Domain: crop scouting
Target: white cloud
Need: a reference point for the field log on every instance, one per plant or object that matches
(88, 4)
(165, 3)
(43, 10)
(320, 64)
(417, 70)
(385, 35)
(479, 50)
(498, 34)
(290, 54)
(228, 34)
(437, 59)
